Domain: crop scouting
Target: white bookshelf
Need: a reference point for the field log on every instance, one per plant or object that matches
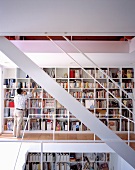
(80, 85)
(68, 161)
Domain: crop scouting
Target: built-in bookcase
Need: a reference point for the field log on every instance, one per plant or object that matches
(90, 87)
(68, 161)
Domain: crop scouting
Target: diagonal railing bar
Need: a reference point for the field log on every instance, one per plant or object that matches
(98, 68)
(21, 142)
(91, 75)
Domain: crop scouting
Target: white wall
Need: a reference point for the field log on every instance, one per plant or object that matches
(91, 17)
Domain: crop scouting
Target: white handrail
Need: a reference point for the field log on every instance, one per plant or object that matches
(98, 68)
(92, 76)
(62, 141)
(21, 142)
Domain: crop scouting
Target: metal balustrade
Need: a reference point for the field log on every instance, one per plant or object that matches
(128, 141)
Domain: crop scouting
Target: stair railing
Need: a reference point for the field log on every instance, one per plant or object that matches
(94, 77)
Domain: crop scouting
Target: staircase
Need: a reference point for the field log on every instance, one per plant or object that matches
(97, 127)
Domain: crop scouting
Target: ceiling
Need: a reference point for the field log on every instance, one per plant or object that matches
(105, 27)
(69, 18)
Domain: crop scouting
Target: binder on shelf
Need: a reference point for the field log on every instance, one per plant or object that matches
(27, 166)
(6, 112)
(57, 166)
(43, 124)
(61, 166)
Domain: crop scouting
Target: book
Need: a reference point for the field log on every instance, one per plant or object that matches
(129, 73)
(72, 73)
(113, 125)
(89, 104)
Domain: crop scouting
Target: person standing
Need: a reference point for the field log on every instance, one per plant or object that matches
(19, 101)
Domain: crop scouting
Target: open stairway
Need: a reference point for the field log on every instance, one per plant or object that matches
(97, 127)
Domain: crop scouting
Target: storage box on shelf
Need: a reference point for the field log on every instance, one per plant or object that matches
(91, 89)
(68, 161)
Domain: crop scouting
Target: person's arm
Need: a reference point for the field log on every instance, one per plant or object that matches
(34, 90)
(30, 94)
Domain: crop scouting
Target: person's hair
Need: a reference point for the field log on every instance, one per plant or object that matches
(19, 91)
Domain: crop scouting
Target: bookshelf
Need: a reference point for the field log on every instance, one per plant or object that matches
(81, 86)
(68, 161)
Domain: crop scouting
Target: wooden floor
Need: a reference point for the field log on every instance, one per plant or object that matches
(47, 136)
(77, 137)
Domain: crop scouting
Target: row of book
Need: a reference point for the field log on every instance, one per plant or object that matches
(9, 93)
(66, 161)
(47, 125)
(8, 103)
(38, 124)
(75, 73)
(127, 85)
(61, 125)
(99, 74)
(49, 157)
(63, 84)
(127, 73)
(9, 123)
(82, 94)
(9, 83)
(68, 157)
(104, 84)
(61, 113)
(115, 125)
(8, 112)
(37, 95)
(115, 93)
(67, 166)
(101, 94)
(47, 166)
(74, 84)
(80, 84)
(35, 103)
(100, 104)
(12, 83)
